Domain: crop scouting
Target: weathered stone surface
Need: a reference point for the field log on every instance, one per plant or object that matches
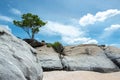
(87, 57)
(88, 49)
(114, 54)
(17, 59)
(49, 58)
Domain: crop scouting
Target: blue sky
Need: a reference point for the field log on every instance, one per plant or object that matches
(69, 21)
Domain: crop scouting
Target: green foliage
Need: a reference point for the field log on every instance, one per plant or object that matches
(43, 41)
(58, 47)
(49, 44)
(30, 24)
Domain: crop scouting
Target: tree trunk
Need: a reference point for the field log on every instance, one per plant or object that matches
(32, 35)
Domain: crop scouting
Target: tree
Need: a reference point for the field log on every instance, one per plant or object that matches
(30, 24)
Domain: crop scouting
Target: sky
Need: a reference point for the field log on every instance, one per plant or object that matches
(70, 22)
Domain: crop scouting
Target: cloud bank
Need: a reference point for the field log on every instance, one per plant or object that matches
(69, 34)
(98, 17)
(6, 18)
(16, 11)
(112, 28)
(108, 31)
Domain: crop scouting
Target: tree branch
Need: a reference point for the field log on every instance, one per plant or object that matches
(27, 31)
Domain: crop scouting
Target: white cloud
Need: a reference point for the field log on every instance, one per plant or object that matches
(91, 41)
(98, 17)
(6, 18)
(60, 29)
(6, 26)
(69, 34)
(16, 11)
(110, 30)
(79, 40)
(116, 45)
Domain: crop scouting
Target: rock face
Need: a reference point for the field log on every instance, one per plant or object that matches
(17, 59)
(113, 53)
(87, 57)
(48, 58)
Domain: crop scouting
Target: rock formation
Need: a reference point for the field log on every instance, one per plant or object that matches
(87, 57)
(113, 53)
(82, 57)
(17, 59)
(49, 58)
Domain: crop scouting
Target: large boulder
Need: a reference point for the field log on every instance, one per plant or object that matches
(49, 58)
(114, 54)
(87, 57)
(18, 60)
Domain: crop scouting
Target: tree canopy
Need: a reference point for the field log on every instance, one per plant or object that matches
(30, 23)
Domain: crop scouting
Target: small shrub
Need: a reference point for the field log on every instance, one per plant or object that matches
(48, 44)
(42, 41)
(102, 45)
(34, 43)
(58, 47)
